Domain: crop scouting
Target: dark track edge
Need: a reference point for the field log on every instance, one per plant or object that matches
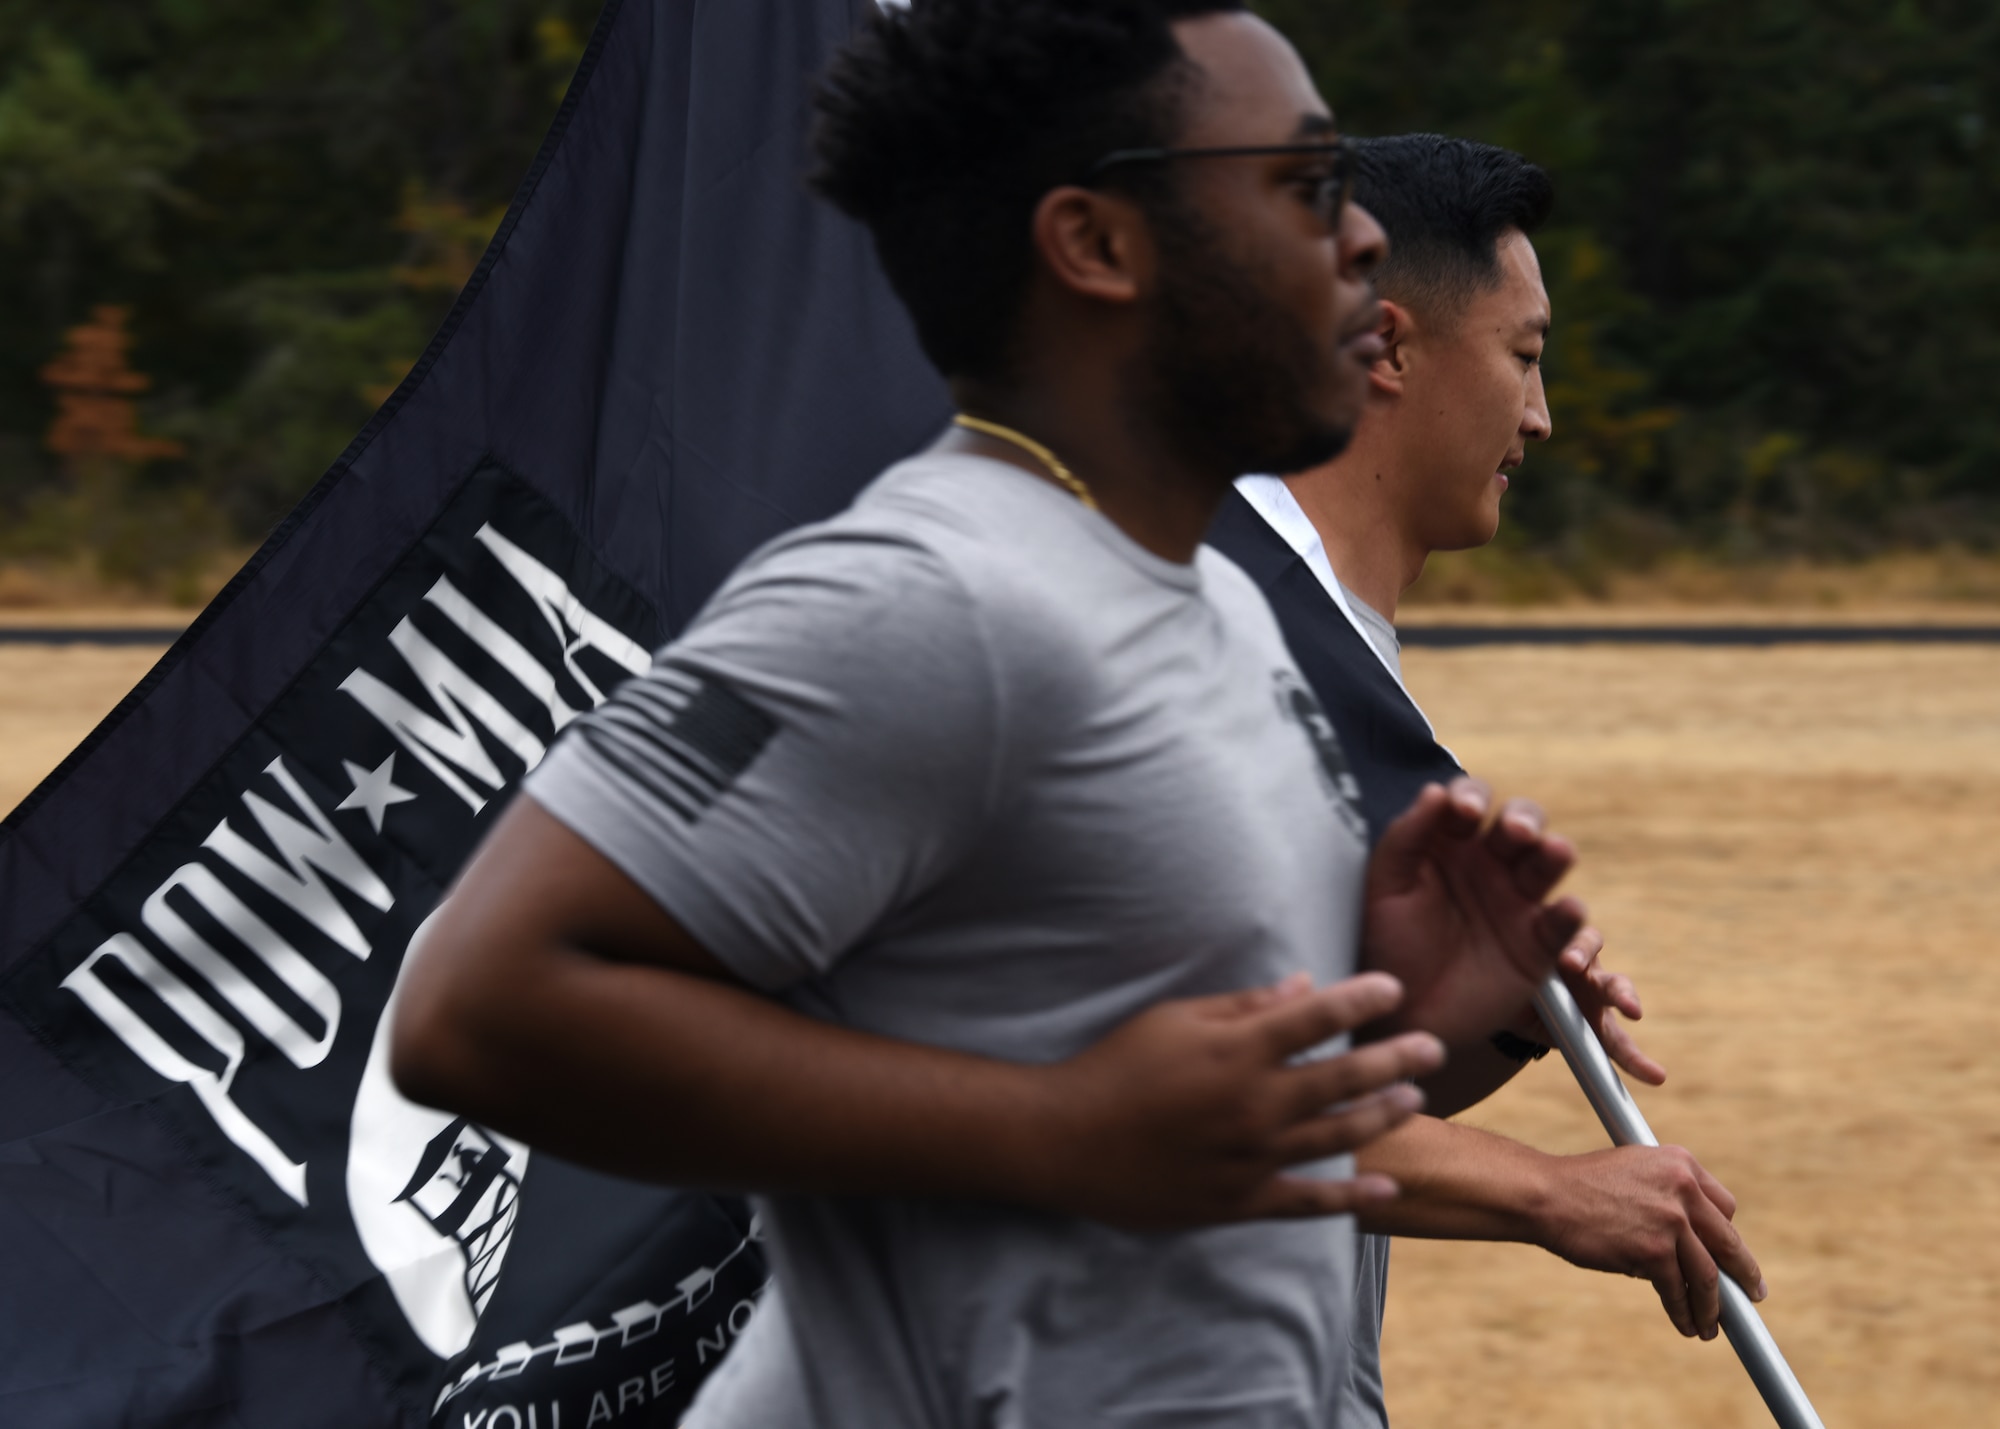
(87, 635)
(1435, 636)
(1458, 636)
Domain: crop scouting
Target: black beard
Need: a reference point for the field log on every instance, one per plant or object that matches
(1227, 370)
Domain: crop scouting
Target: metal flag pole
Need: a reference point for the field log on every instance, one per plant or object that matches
(1620, 1114)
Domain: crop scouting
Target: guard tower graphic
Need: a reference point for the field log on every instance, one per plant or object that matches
(463, 1186)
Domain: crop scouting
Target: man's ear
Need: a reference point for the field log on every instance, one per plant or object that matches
(1388, 373)
(1095, 245)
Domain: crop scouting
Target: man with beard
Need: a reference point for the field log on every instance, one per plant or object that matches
(976, 879)
(1453, 400)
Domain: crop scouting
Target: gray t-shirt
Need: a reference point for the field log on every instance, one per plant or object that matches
(966, 766)
(1366, 1405)
(1363, 1402)
(1375, 627)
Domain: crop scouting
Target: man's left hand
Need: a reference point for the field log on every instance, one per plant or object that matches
(1606, 999)
(1456, 908)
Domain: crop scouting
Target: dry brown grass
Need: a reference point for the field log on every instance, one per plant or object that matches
(1915, 583)
(1793, 851)
(50, 697)
(45, 585)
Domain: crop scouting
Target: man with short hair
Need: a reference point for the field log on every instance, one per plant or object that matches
(1454, 399)
(976, 878)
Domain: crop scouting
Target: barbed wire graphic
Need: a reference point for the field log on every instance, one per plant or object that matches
(574, 1344)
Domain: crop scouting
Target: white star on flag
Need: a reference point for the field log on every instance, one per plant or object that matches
(374, 790)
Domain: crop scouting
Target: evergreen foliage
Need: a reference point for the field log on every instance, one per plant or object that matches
(286, 198)
(1775, 257)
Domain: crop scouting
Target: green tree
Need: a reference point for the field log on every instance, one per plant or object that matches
(238, 175)
(83, 162)
(1775, 257)
(1792, 212)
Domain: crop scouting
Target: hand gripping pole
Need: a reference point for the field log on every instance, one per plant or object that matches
(1620, 1114)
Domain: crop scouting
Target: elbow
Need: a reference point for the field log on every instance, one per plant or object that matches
(436, 1047)
(433, 1059)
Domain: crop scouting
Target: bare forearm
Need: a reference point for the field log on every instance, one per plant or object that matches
(1649, 1211)
(1474, 1072)
(686, 1080)
(1458, 1183)
(554, 1000)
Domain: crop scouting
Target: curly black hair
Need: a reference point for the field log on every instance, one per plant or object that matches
(941, 125)
(1445, 204)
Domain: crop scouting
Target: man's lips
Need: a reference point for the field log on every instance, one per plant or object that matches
(1363, 339)
(1365, 346)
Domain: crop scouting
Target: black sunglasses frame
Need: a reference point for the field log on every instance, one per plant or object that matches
(1342, 150)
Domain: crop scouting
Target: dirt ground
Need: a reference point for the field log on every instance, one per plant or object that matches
(1794, 852)
(51, 696)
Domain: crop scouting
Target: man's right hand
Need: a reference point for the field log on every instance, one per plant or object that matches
(1455, 907)
(554, 1000)
(1654, 1213)
(1645, 1211)
(1195, 1111)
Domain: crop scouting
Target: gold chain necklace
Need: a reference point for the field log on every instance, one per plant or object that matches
(1065, 478)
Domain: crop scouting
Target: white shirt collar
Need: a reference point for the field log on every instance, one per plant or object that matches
(1272, 499)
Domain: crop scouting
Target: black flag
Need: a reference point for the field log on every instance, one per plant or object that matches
(214, 1206)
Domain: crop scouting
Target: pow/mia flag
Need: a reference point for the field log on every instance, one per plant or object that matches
(215, 1207)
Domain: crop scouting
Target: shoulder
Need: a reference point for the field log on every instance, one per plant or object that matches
(1222, 571)
(908, 550)
(1018, 551)
(845, 581)
(1239, 598)
(924, 584)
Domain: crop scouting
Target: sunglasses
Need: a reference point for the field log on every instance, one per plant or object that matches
(1330, 198)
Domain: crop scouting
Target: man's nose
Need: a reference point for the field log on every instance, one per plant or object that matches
(1363, 244)
(1536, 425)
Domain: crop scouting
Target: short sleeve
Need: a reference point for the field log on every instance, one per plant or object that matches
(810, 756)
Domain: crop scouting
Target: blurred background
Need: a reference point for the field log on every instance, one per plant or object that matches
(1775, 265)
(227, 230)
(228, 227)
